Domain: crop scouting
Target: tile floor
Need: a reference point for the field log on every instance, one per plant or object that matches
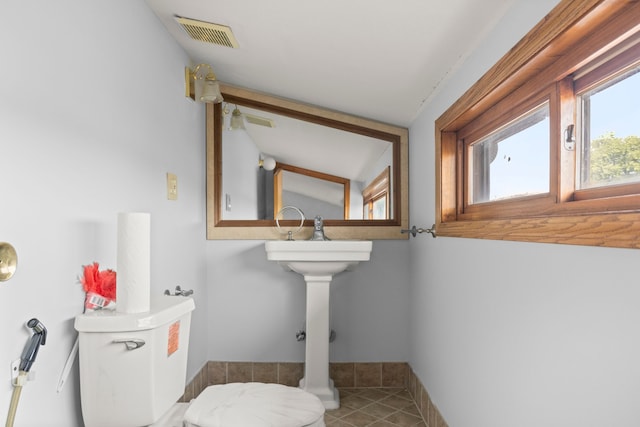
(374, 407)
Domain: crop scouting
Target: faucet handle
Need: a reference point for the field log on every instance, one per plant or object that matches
(318, 229)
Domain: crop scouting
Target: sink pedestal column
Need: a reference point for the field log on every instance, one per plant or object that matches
(318, 261)
(316, 368)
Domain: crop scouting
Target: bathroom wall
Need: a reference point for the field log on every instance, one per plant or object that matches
(241, 181)
(510, 334)
(255, 307)
(92, 117)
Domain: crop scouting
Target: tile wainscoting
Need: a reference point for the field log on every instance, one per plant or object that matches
(345, 376)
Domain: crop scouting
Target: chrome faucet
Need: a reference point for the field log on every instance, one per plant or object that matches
(318, 229)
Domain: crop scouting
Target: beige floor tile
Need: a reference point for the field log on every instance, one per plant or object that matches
(374, 407)
(359, 419)
(403, 419)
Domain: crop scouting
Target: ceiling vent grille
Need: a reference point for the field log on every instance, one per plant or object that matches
(261, 121)
(208, 32)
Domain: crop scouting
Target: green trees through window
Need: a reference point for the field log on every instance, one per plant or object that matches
(614, 160)
(610, 117)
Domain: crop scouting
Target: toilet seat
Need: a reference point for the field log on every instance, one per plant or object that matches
(254, 405)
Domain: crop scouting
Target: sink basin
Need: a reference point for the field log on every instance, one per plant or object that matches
(317, 262)
(311, 257)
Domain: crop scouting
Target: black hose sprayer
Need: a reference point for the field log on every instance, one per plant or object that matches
(38, 338)
(29, 354)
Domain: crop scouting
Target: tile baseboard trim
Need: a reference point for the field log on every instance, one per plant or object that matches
(429, 411)
(344, 375)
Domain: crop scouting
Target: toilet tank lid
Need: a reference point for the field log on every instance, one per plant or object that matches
(164, 309)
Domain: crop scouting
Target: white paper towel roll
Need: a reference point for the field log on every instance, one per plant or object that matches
(133, 285)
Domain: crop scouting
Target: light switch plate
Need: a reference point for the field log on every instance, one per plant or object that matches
(172, 186)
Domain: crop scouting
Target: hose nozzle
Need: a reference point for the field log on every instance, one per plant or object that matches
(38, 328)
(38, 338)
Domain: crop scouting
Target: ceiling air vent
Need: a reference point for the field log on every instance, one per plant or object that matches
(261, 121)
(208, 32)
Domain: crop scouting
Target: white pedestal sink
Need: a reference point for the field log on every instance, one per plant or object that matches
(318, 261)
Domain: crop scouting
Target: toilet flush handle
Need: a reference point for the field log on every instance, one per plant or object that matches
(131, 343)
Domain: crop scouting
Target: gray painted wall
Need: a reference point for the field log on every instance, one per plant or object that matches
(510, 334)
(91, 120)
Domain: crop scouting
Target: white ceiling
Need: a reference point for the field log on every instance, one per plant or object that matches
(305, 144)
(378, 59)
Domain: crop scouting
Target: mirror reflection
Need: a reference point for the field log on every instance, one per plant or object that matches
(327, 195)
(271, 160)
(265, 152)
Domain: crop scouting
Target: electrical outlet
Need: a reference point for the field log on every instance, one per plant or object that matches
(172, 186)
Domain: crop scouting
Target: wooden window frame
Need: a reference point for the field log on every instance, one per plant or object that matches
(570, 38)
(628, 58)
(494, 119)
(378, 188)
(277, 185)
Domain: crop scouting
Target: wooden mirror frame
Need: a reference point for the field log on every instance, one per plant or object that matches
(217, 228)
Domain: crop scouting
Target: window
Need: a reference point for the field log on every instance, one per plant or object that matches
(546, 146)
(513, 161)
(610, 114)
(375, 197)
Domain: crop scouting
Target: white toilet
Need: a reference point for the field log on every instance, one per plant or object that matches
(133, 370)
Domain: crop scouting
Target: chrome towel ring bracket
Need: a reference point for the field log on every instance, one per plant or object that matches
(291, 232)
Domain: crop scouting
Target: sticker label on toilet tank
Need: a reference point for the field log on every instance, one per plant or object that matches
(174, 338)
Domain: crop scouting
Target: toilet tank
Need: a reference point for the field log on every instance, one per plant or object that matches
(133, 366)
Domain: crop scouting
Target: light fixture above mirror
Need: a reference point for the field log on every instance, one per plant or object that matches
(223, 223)
(268, 163)
(237, 121)
(201, 84)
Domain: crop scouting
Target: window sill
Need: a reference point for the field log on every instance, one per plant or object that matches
(620, 230)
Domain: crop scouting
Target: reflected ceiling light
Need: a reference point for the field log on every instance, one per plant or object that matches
(237, 122)
(267, 163)
(201, 84)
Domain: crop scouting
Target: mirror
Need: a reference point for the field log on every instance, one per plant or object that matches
(308, 145)
(311, 191)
